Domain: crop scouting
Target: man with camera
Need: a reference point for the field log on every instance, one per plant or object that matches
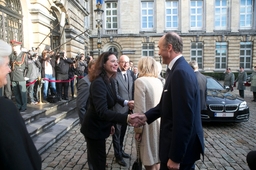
(62, 68)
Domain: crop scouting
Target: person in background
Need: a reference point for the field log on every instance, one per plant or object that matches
(17, 149)
(252, 80)
(100, 117)
(147, 94)
(83, 92)
(73, 73)
(124, 85)
(62, 68)
(202, 82)
(159, 68)
(241, 79)
(38, 70)
(131, 65)
(48, 73)
(135, 71)
(32, 74)
(181, 140)
(229, 79)
(19, 64)
(82, 64)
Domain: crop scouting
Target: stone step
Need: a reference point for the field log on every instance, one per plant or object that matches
(52, 134)
(47, 123)
(35, 112)
(39, 125)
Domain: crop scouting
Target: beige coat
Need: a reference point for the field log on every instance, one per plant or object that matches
(147, 95)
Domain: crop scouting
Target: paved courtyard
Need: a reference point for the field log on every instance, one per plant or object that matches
(226, 146)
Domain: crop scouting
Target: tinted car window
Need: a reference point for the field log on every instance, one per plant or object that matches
(213, 84)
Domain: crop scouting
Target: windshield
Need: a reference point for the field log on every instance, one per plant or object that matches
(213, 84)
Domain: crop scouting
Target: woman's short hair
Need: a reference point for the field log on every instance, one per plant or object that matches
(147, 67)
(5, 50)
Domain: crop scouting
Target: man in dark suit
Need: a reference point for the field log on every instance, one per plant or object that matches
(181, 133)
(202, 82)
(124, 84)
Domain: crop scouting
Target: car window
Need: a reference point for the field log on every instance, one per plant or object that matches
(213, 84)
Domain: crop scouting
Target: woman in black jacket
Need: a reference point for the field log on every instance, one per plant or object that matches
(100, 117)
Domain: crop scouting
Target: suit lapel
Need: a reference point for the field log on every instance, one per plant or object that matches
(121, 79)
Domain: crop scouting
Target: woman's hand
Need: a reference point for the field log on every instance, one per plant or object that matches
(138, 137)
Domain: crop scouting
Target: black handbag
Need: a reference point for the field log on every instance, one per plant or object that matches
(137, 165)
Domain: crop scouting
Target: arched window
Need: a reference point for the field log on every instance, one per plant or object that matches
(114, 50)
(11, 20)
(55, 36)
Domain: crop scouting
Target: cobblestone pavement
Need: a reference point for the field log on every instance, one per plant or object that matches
(226, 146)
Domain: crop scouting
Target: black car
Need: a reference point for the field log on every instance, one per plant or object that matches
(222, 105)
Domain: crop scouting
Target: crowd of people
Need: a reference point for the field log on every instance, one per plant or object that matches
(48, 74)
(241, 81)
(165, 112)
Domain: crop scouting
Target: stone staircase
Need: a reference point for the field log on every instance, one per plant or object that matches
(47, 123)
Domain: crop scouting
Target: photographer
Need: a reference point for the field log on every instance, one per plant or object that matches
(62, 68)
(48, 72)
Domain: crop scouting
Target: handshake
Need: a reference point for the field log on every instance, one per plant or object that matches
(136, 119)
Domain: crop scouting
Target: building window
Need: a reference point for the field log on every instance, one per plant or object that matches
(245, 55)
(221, 14)
(196, 15)
(246, 13)
(147, 15)
(221, 55)
(111, 15)
(148, 49)
(11, 20)
(114, 50)
(197, 53)
(172, 17)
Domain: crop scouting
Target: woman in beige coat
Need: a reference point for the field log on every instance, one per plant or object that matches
(147, 94)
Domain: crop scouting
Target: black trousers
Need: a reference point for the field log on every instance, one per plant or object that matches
(118, 139)
(251, 160)
(62, 86)
(96, 154)
(241, 93)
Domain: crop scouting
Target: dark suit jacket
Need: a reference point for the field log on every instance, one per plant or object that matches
(100, 115)
(17, 150)
(202, 82)
(181, 133)
(124, 90)
(83, 92)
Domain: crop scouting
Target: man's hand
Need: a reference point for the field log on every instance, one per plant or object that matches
(137, 120)
(131, 104)
(173, 165)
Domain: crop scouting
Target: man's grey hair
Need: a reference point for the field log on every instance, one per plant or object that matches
(193, 64)
(5, 50)
(175, 40)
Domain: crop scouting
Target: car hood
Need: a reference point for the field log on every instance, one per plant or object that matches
(222, 96)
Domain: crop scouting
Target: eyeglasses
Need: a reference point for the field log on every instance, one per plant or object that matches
(124, 62)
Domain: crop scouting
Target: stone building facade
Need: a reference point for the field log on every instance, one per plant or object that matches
(216, 33)
(40, 24)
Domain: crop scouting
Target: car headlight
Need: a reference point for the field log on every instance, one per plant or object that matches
(243, 105)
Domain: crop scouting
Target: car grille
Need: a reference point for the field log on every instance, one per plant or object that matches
(223, 108)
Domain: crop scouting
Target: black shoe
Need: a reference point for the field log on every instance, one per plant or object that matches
(121, 162)
(125, 155)
(65, 98)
